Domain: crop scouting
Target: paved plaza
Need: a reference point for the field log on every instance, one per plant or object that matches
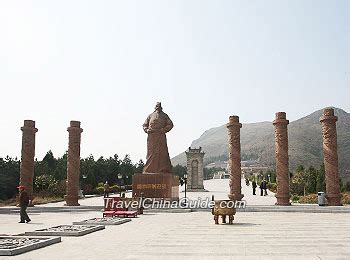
(192, 235)
(220, 187)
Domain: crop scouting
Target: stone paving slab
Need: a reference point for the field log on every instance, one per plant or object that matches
(66, 230)
(14, 245)
(102, 221)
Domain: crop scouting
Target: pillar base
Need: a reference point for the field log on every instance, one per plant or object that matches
(283, 203)
(333, 199)
(71, 201)
(236, 197)
(283, 200)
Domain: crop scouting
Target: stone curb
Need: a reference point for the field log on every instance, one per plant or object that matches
(43, 232)
(293, 208)
(46, 241)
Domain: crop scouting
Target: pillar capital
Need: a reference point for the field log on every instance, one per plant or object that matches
(234, 122)
(328, 116)
(74, 127)
(29, 125)
(281, 119)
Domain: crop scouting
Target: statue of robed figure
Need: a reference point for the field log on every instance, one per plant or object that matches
(156, 126)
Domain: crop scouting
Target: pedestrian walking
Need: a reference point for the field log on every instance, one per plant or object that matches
(106, 190)
(261, 186)
(254, 187)
(23, 203)
(265, 187)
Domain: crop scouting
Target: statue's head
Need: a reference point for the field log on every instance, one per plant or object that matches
(158, 106)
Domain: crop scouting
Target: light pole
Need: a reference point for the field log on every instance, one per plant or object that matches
(185, 180)
(126, 183)
(120, 184)
(83, 184)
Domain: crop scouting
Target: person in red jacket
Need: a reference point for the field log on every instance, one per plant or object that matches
(23, 203)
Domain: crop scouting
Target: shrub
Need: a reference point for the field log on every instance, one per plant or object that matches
(295, 198)
(308, 199)
(347, 186)
(60, 189)
(116, 188)
(272, 186)
(47, 185)
(98, 190)
(295, 188)
(345, 198)
(45, 182)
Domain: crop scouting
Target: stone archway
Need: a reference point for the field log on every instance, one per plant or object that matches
(195, 169)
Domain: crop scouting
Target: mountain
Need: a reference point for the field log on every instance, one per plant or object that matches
(258, 142)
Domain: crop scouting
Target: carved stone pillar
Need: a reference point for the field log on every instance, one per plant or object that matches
(282, 160)
(329, 131)
(234, 162)
(27, 156)
(73, 164)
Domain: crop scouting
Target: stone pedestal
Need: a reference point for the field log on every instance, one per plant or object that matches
(156, 185)
(329, 131)
(27, 156)
(234, 158)
(282, 160)
(73, 164)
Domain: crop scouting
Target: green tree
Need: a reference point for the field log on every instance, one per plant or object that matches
(139, 166)
(298, 181)
(311, 180)
(179, 170)
(9, 177)
(272, 174)
(50, 160)
(320, 180)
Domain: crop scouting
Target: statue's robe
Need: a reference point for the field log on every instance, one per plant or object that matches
(156, 125)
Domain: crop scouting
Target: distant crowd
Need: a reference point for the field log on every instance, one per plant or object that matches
(262, 186)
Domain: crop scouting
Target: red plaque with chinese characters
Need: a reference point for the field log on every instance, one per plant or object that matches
(155, 185)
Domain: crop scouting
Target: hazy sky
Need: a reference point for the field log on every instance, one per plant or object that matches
(106, 64)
